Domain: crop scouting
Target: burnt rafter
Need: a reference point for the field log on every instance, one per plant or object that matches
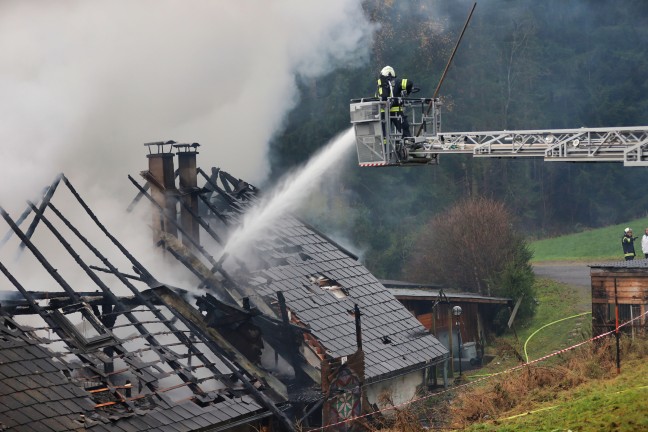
(173, 222)
(47, 194)
(53, 323)
(51, 270)
(46, 199)
(210, 181)
(206, 277)
(104, 270)
(232, 313)
(136, 292)
(238, 372)
(108, 292)
(150, 178)
(137, 266)
(102, 308)
(222, 192)
(138, 197)
(213, 209)
(234, 186)
(140, 194)
(116, 301)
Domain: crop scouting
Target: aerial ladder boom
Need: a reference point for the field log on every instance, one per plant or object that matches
(380, 143)
(614, 144)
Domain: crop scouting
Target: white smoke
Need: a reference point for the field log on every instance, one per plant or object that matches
(85, 84)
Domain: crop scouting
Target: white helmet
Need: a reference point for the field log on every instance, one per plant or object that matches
(627, 230)
(388, 71)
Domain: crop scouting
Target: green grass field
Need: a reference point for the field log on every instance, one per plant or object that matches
(596, 244)
(610, 403)
(616, 404)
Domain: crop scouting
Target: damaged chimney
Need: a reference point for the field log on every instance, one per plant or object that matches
(161, 180)
(188, 175)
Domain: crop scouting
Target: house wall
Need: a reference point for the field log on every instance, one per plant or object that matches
(631, 295)
(442, 320)
(400, 389)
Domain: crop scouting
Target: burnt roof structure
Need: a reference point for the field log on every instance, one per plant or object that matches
(293, 272)
(244, 343)
(144, 359)
(320, 281)
(38, 393)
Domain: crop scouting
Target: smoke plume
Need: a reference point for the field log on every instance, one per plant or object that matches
(85, 84)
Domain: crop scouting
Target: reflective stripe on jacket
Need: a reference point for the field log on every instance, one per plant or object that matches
(386, 90)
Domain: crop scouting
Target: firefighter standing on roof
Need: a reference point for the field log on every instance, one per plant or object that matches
(392, 89)
(627, 241)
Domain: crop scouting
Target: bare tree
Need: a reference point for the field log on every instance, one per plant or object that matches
(468, 247)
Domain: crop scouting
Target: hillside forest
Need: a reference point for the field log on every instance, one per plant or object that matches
(522, 64)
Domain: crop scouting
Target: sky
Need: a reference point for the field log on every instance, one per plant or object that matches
(85, 84)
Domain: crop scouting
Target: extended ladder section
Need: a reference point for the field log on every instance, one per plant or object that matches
(621, 144)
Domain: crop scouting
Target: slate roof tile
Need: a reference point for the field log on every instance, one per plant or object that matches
(10, 385)
(19, 416)
(168, 428)
(202, 421)
(41, 395)
(10, 402)
(140, 423)
(71, 406)
(36, 352)
(25, 398)
(11, 356)
(32, 413)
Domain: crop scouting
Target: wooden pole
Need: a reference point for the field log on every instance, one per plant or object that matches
(616, 313)
(445, 71)
(358, 326)
(450, 341)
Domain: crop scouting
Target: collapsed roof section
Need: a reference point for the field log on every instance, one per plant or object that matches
(75, 356)
(319, 280)
(143, 355)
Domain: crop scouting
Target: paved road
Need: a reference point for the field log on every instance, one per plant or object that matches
(574, 274)
(571, 273)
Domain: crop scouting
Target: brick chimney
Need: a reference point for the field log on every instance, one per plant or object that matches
(161, 181)
(188, 175)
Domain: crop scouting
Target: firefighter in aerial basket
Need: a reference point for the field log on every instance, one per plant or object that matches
(392, 89)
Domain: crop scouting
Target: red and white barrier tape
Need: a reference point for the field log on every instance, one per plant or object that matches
(515, 368)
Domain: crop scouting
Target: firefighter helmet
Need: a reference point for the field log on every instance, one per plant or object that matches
(388, 71)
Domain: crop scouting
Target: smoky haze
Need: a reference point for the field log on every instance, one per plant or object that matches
(85, 84)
